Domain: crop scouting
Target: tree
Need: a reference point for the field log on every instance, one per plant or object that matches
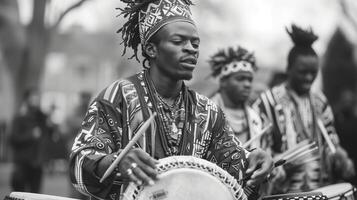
(24, 47)
(340, 69)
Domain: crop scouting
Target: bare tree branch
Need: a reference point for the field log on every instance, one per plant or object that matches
(69, 9)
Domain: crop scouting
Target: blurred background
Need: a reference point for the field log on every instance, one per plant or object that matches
(69, 50)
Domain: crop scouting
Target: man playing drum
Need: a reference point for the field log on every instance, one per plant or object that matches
(301, 115)
(187, 123)
(235, 69)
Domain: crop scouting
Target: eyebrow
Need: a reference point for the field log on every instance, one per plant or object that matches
(186, 36)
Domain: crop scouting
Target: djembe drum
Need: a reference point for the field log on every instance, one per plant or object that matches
(188, 178)
(297, 196)
(34, 196)
(340, 191)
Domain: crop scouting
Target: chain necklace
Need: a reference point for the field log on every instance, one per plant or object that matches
(174, 105)
(171, 119)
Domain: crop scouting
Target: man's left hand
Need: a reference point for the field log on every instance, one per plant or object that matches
(260, 164)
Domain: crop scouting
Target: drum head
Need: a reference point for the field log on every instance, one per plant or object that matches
(336, 190)
(35, 196)
(294, 196)
(188, 178)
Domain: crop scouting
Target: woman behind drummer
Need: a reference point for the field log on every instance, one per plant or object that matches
(187, 122)
(295, 111)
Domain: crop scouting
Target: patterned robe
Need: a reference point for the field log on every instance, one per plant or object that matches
(295, 120)
(202, 132)
(245, 123)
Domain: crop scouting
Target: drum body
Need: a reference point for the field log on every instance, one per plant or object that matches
(34, 196)
(340, 191)
(297, 196)
(188, 178)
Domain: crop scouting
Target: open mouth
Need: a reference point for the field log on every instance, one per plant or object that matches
(190, 61)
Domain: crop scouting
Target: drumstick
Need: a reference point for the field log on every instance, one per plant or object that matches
(284, 161)
(245, 145)
(302, 154)
(298, 151)
(298, 146)
(325, 135)
(309, 160)
(131, 143)
(279, 162)
(276, 164)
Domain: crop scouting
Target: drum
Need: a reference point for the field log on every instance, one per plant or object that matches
(340, 191)
(34, 196)
(188, 178)
(297, 196)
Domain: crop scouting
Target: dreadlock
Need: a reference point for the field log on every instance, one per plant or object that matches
(224, 57)
(303, 40)
(130, 31)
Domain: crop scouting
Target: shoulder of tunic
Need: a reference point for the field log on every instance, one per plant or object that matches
(204, 102)
(117, 91)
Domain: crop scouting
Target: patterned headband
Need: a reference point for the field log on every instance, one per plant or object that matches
(236, 66)
(160, 13)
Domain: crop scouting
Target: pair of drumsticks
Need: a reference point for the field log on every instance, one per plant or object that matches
(303, 149)
(298, 152)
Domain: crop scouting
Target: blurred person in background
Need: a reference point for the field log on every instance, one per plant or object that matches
(187, 123)
(27, 139)
(346, 125)
(235, 68)
(294, 110)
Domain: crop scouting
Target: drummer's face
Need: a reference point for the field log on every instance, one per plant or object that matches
(176, 51)
(303, 73)
(237, 86)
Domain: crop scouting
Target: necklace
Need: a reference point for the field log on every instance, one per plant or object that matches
(172, 118)
(171, 114)
(174, 104)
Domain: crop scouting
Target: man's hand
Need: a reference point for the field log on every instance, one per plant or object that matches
(342, 165)
(260, 164)
(138, 166)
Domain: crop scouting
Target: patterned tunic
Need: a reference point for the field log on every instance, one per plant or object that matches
(199, 129)
(295, 120)
(245, 123)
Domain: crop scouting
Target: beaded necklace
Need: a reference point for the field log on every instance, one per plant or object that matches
(172, 117)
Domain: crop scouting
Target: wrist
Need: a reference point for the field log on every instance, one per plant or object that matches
(105, 162)
(249, 151)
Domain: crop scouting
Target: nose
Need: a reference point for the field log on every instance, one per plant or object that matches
(247, 83)
(190, 48)
(310, 77)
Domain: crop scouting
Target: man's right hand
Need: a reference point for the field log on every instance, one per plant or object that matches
(138, 166)
(278, 175)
